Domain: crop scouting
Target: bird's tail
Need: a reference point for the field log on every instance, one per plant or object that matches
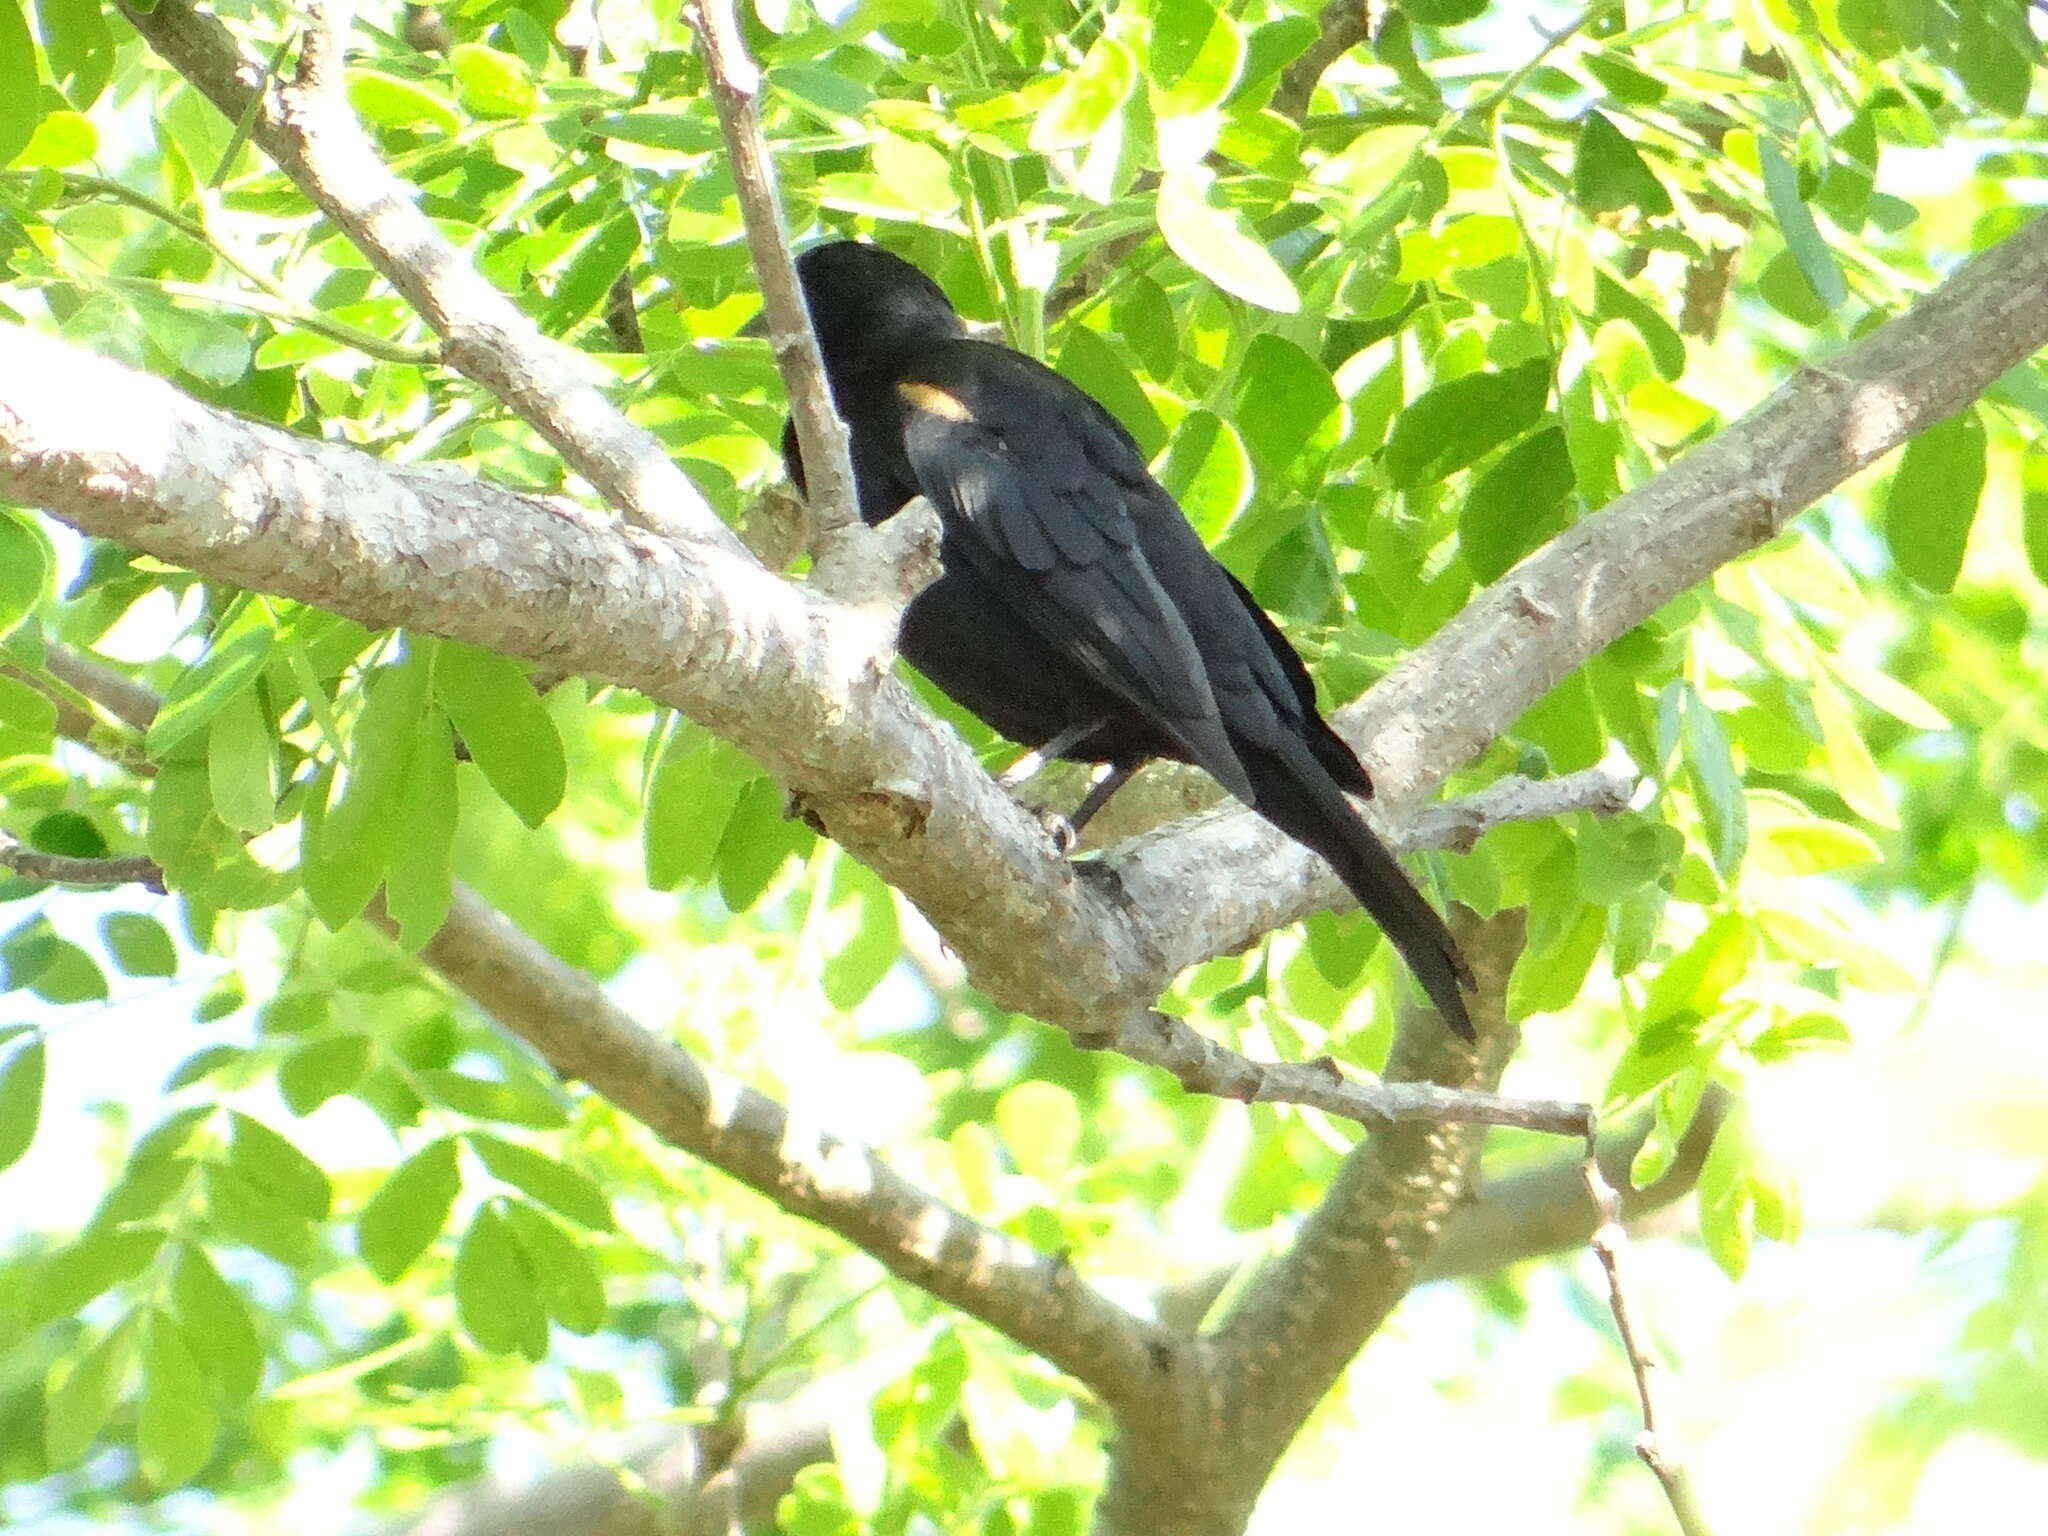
(1298, 794)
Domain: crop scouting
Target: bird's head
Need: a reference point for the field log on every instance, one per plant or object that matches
(866, 301)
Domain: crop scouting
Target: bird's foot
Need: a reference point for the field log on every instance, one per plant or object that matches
(1057, 828)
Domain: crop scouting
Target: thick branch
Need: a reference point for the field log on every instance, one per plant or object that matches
(1451, 697)
(792, 679)
(305, 125)
(1300, 1324)
(1037, 1299)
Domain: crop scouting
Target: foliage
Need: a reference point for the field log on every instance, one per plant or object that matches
(1382, 341)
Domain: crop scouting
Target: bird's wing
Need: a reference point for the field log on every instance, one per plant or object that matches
(1000, 447)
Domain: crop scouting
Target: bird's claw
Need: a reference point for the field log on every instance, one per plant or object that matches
(1057, 828)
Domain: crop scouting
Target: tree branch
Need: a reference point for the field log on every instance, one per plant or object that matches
(735, 93)
(1197, 1468)
(1453, 696)
(424, 546)
(1340, 27)
(1546, 1209)
(1534, 1213)
(305, 125)
(1654, 1444)
(1036, 1299)
(63, 869)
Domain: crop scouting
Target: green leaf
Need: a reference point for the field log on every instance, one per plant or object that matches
(139, 944)
(79, 46)
(319, 1070)
(390, 102)
(1517, 504)
(832, 96)
(60, 139)
(1340, 944)
(1449, 426)
(1612, 300)
(1932, 500)
(507, 729)
(493, 84)
(211, 349)
(212, 1310)
(1565, 723)
(1041, 1125)
(1213, 238)
(1851, 771)
(1726, 1200)
(920, 175)
(512, 1103)
(230, 666)
(176, 1426)
(1195, 54)
(495, 1296)
(758, 840)
(85, 1399)
(687, 133)
(1087, 98)
(1609, 173)
(278, 1168)
(241, 763)
(1805, 1032)
(102, 1258)
(182, 833)
(1716, 786)
(1995, 67)
(1284, 400)
(252, 1216)
(1618, 855)
(28, 717)
(409, 1211)
(69, 976)
(1093, 363)
(1142, 315)
(1443, 13)
(2034, 512)
(597, 264)
(348, 847)
(21, 102)
(1802, 236)
(858, 965)
(1548, 980)
(550, 1182)
(1676, 1105)
(68, 833)
(1695, 981)
(563, 1275)
(25, 564)
(21, 1099)
(696, 785)
(1208, 472)
(1791, 840)
(419, 885)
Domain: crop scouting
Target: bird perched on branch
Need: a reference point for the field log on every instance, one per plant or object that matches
(1079, 612)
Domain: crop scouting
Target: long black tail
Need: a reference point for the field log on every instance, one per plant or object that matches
(1299, 795)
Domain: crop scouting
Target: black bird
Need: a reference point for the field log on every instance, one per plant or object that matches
(1079, 612)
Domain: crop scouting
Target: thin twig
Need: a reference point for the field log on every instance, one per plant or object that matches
(821, 437)
(1655, 1444)
(306, 126)
(67, 869)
